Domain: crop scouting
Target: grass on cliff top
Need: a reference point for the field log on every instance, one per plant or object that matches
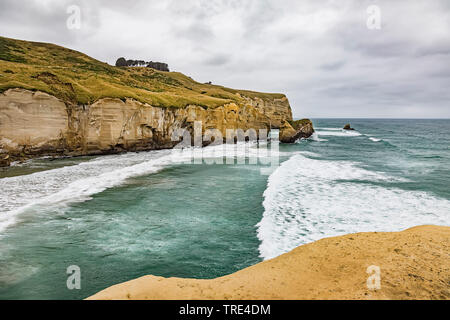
(79, 79)
(297, 124)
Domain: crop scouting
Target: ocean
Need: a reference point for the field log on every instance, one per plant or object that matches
(119, 217)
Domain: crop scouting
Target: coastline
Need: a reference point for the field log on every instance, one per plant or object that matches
(414, 264)
(64, 113)
(225, 159)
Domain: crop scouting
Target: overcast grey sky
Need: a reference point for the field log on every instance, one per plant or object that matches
(320, 53)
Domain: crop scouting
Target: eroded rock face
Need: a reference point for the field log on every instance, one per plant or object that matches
(291, 131)
(277, 110)
(4, 160)
(31, 123)
(37, 124)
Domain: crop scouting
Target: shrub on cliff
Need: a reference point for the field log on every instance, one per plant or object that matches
(121, 62)
(158, 66)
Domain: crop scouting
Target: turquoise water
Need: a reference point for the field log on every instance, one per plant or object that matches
(123, 216)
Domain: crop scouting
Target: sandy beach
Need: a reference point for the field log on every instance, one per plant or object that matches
(413, 264)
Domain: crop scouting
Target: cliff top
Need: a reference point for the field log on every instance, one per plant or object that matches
(79, 79)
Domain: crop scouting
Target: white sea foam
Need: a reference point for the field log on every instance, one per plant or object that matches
(59, 187)
(308, 199)
(340, 133)
(315, 137)
(328, 129)
(72, 183)
(308, 153)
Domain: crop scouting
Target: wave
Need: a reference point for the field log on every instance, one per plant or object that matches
(308, 199)
(341, 133)
(315, 137)
(338, 132)
(328, 129)
(58, 188)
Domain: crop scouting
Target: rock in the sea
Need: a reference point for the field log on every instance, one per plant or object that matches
(291, 131)
(348, 127)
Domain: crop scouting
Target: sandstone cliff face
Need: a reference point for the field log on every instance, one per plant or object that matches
(291, 131)
(37, 124)
(278, 110)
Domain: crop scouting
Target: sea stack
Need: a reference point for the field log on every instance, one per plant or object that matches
(291, 131)
(348, 127)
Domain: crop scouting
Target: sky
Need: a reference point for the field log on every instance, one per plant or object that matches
(341, 58)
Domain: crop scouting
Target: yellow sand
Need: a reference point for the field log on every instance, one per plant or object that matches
(414, 264)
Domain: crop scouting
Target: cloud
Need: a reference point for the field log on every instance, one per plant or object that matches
(332, 66)
(46, 20)
(320, 53)
(218, 60)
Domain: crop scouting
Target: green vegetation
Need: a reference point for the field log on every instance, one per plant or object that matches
(297, 124)
(79, 79)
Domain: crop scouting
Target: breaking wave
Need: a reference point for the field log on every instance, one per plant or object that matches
(308, 199)
(57, 188)
(339, 133)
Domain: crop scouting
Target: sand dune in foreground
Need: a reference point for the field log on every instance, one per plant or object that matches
(414, 264)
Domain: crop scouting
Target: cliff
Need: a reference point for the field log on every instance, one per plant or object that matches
(55, 101)
(36, 123)
(413, 264)
(291, 131)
